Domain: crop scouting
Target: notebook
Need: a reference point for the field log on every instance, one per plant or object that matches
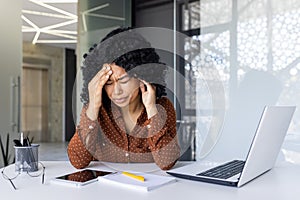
(264, 149)
(151, 181)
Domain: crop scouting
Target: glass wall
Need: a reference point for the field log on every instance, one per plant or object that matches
(95, 20)
(238, 57)
(249, 58)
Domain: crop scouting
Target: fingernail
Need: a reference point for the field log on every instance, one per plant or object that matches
(110, 72)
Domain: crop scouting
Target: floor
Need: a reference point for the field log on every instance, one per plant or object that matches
(53, 151)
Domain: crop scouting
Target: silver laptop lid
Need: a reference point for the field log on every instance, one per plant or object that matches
(267, 142)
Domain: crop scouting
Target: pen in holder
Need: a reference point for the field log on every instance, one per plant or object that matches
(26, 158)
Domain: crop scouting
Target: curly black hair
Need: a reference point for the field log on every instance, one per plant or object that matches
(129, 50)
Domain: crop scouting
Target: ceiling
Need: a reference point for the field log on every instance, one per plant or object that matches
(52, 22)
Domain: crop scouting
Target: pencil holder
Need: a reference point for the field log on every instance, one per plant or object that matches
(26, 158)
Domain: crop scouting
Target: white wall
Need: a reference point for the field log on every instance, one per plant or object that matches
(10, 60)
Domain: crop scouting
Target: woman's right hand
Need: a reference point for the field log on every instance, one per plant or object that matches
(95, 91)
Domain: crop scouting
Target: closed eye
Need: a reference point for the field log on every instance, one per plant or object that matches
(108, 82)
(124, 79)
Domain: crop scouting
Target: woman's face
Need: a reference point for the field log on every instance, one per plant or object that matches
(121, 88)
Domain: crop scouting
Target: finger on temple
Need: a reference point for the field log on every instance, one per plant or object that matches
(142, 86)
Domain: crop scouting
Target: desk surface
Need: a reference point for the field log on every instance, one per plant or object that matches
(282, 182)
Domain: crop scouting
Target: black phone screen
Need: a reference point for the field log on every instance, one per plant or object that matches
(83, 176)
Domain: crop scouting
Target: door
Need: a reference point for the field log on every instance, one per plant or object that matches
(35, 102)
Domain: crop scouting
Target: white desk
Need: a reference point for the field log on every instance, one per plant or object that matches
(282, 182)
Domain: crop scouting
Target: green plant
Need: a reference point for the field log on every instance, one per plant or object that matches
(6, 156)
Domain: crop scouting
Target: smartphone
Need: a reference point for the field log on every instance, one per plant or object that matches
(80, 178)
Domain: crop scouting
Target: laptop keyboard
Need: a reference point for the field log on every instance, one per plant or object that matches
(226, 170)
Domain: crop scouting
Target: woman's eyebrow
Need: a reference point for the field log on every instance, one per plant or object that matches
(123, 77)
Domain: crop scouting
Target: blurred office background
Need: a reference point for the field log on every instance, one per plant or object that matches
(227, 59)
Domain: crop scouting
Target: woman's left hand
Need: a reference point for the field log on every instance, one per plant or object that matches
(148, 97)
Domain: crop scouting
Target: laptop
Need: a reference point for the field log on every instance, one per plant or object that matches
(261, 157)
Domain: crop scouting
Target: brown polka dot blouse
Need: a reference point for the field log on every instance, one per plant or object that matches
(106, 139)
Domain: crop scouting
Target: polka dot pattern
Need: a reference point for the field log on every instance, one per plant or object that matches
(151, 140)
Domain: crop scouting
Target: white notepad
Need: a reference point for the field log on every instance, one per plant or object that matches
(151, 181)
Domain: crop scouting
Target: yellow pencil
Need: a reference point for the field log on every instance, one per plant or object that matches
(137, 177)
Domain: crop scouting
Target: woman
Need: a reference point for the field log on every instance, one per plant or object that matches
(125, 117)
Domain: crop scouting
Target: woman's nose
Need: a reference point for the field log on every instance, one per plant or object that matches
(117, 88)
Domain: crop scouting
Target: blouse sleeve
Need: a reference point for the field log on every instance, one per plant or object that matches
(83, 141)
(162, 135)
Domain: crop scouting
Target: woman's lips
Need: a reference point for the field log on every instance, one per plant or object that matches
(120, 100)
